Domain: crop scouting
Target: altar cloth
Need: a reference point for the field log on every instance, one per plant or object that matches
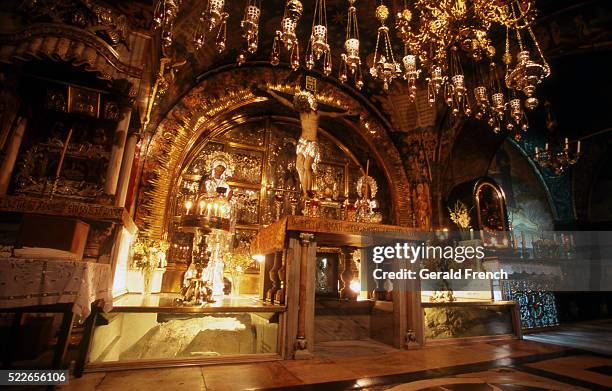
(36, 282)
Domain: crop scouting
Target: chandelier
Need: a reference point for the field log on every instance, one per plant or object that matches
(213, 18)
(318, 48)
(440, 36)
(350, 63)
(384, 67)
(250, 28)
(286, 36)
(442, 39)
(164, 18)
(557, 161)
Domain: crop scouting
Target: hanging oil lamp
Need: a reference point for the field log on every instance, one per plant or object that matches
(318, 47)
(350, 62)
(250, 28)
(384, 66)
(286, 36)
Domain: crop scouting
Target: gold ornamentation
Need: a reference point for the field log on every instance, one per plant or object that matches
(460, 215)
(436, 32)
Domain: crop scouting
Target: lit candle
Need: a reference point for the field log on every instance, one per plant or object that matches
(208, 207)
(215, 209)
(537, 151)
(566, 143)
(578, 147)
(201, 207)
(188, 206)
(546, 147)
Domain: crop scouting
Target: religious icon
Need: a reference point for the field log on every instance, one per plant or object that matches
(221, 166)
(366, 204)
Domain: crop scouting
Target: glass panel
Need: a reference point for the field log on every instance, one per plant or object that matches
(182, 335)
(473, 320)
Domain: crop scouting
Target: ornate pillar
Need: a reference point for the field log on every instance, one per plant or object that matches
(282, 280)
(347, 274)
(271, 294)
(301, 343)
(114, 164)
(6, 169)
(126, 168)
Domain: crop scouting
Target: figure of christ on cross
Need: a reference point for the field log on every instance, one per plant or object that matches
(307, 151)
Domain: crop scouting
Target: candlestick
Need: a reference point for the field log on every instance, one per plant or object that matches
(63, 155)
(59, 165)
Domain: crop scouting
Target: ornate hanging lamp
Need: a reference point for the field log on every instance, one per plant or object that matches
(456, 91)
(350, 62)
(318, 47)
(164, 17)
(527, 73)
(443, 35)
(250, 28)
(384, 67)
(213, 18)
(286, 36)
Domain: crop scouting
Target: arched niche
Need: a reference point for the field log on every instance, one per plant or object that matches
(226, 99)
(485, 202)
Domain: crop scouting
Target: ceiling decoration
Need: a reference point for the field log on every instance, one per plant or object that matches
(449, 44)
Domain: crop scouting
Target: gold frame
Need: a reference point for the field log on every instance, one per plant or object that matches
(227, 126)
(501, 199)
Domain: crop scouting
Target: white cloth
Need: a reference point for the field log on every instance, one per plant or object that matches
(309, 148)
(33, 282)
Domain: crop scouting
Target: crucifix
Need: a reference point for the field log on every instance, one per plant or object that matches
(307, 151)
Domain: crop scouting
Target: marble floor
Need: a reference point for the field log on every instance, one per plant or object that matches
(595, 336)
(507, 365)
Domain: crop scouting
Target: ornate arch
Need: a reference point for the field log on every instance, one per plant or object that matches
(215, 98)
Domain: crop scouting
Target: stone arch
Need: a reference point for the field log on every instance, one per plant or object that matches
(213, 100)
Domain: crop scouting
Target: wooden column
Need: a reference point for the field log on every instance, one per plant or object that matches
(114, 163)
(265, 283)
(271, 294)
(282, 280)
(346, 276)
(413, 331)
(12, 150)
(301, 342)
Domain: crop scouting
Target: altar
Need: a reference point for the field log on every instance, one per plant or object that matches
(289, 276)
